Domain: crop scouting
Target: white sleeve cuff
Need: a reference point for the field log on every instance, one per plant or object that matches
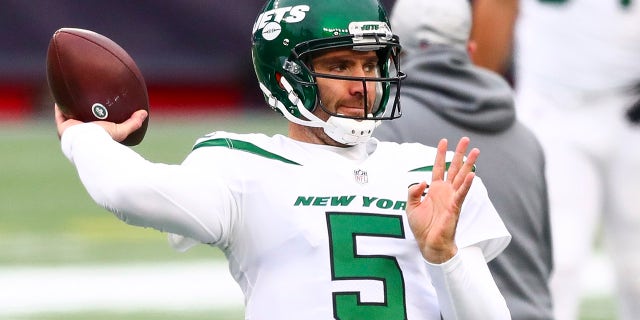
(466, 289)
(79, 131)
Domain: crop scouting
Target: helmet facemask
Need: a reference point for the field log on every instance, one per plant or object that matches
(386, 47)
(373, 110)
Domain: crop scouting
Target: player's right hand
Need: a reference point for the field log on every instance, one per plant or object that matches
(117, 131)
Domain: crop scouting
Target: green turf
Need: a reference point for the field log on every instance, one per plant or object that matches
(600, 307)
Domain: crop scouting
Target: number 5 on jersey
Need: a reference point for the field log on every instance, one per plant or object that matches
(347, 264)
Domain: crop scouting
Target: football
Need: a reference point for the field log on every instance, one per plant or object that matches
(92, 78)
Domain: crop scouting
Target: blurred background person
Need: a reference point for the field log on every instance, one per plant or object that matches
(455, 98)
(575, 63)
(492, 32)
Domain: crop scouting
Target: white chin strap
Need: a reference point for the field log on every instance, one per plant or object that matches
(343, 130)
(349, 131)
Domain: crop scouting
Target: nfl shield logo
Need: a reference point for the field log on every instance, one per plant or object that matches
(361, 176)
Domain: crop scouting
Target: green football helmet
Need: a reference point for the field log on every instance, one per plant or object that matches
(286, 35)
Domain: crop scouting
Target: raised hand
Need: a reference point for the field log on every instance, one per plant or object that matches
(434, 218)
(117, 131)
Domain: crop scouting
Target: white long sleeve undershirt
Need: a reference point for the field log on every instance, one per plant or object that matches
(465, 287)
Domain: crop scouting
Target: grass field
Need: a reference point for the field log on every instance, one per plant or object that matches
(47, 218)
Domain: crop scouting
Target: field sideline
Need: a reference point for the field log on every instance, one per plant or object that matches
(49, 225)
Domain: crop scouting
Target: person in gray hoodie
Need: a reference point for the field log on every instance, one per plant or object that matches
(446, 96)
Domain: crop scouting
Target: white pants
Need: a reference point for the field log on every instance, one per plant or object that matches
(593, 176)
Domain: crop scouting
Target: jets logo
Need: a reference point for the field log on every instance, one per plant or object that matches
(99, 111)
(270, 21)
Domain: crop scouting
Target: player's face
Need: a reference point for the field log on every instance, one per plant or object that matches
(346, 97)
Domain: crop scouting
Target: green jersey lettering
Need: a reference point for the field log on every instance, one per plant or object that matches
(347, 264)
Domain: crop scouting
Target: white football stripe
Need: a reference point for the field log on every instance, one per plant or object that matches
(205, 285)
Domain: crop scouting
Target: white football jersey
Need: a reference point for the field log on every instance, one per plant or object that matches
(320, 232)
(310, 231)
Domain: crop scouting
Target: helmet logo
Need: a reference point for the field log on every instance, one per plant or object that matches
(368, 28)
(271, 31)
(270, 20)
(363, 31)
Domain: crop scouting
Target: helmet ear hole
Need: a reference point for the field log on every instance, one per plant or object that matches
(278, 78)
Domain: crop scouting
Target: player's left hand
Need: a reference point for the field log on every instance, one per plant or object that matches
(434, 218)
(117, 131)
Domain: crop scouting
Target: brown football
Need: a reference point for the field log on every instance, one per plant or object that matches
(92, 78)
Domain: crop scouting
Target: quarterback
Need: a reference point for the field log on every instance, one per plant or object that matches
(326, 222)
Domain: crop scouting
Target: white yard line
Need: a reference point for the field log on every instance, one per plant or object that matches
(191, 286)
(175, 286)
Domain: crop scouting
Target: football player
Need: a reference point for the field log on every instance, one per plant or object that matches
(575, 64)
(318, 224)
